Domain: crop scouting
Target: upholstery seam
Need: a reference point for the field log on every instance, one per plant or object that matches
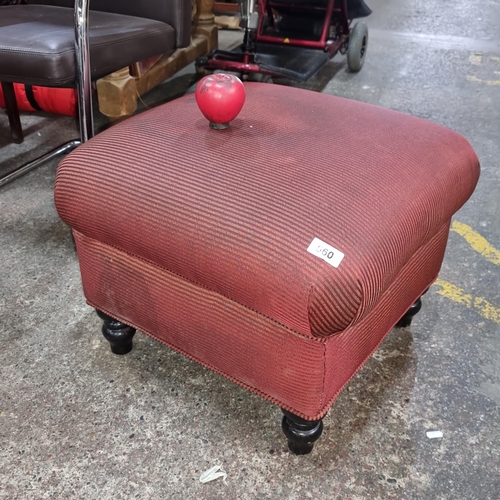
(323, 384)
(330, 402)
(320, 340)
(324, 408)
(209, 366)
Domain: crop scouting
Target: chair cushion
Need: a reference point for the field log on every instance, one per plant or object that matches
(37, 43)
(235, 211)
(175, 13)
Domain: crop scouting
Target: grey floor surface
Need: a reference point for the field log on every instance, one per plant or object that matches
(77, 422)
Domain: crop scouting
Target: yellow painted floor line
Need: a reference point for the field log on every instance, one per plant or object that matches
(480, 244)
(475, 59)
(475, 79)
(458, 295)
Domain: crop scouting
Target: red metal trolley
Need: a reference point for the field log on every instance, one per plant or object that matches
(294, 38)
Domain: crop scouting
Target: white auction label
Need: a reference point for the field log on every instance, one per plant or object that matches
(326, 252)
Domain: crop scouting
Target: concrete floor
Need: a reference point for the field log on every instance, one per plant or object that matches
(77, 422)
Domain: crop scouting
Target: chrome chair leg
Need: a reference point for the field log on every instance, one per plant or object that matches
(84, 92)
(27, 167)
(82, 66)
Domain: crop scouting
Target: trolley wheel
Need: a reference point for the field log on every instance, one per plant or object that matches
(356, 49)
(200, 71)
(200, 68)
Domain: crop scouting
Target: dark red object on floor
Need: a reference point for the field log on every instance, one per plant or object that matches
(60, 101)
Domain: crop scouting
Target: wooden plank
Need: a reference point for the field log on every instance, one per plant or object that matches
(226, 7)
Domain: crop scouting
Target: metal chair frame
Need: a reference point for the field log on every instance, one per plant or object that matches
(84, 93)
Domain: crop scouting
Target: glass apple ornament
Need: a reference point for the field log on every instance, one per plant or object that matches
(220, 98)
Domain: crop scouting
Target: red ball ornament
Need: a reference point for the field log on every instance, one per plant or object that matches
(220, 98)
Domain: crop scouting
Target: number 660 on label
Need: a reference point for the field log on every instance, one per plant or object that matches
(326, 252)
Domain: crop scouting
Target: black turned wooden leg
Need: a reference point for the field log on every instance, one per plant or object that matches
(9, 95)
(301, 434)
(118, 334)
(406, 319)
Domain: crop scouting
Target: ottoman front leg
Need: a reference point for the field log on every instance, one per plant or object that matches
(301, 434)
(118, 334)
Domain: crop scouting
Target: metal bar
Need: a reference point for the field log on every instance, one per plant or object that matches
(235, 66)
(328, 20)
(300, 7)
(24, 169)
(82, 70)
(292, 41)
(345, 18)
(260, 22)
(9, 95)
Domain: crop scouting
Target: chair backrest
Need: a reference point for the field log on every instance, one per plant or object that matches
(176, 13)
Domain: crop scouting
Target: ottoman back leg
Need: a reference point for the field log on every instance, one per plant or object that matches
(405, 321)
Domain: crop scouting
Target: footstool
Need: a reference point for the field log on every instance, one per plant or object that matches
(278, 252)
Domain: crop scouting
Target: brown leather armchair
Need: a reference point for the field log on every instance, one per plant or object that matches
(59, 43)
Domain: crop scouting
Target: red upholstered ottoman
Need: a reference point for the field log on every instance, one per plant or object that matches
(278, 252)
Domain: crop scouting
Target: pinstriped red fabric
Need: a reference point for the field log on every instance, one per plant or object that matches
(299, 373)
(234, 211)
(347, 352)
(235, 341)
